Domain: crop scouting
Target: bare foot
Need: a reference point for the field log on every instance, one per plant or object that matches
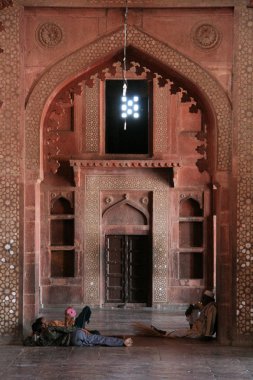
(128, 342)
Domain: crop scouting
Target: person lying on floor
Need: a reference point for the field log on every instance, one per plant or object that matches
(82, 337)
(204, 326)
(57, 333)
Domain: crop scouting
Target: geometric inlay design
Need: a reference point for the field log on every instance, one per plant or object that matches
(10, 148)
(245, 174)
(91, 127)
(94, 185)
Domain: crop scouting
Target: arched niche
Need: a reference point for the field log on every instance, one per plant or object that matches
(125, 213)
(212, 95)
(61, 205)
(189, 208)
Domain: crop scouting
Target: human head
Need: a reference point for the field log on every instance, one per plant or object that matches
(70, 312)
(207, 297)
(38, 325)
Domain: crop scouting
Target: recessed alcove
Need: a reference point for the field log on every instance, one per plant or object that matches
(190, 207)
(62, 263)
(190, 234)
(62, 232)
(61, 206)
(191, 239)
(191, 265)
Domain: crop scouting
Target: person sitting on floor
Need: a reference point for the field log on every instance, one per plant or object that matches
(193, 312)
(204, 326)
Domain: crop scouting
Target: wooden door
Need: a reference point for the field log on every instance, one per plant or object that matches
(128, 273)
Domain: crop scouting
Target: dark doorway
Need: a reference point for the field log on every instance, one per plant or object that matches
(128, 273)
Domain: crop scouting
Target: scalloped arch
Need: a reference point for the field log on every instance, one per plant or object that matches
(87, 56)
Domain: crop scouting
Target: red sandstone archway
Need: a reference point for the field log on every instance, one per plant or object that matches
(201, 83)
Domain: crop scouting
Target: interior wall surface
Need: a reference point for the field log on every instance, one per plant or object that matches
(88, 55)
(34, 64)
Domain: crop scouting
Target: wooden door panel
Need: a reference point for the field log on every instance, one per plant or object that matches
(139, 269)
(128, 269)
(114, 273)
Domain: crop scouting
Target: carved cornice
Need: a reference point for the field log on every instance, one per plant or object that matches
(122, 3)
(124, 163)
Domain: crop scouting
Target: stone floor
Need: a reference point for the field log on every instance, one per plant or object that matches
(149, 358)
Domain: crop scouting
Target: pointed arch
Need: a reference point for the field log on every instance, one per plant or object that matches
(131, 204)
(69, 68)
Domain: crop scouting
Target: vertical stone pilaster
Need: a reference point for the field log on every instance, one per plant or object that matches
(91, 128)
(244, 136)
(11, 117)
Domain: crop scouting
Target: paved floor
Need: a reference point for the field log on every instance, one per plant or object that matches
(149, 358)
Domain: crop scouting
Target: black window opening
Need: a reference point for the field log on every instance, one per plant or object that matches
(127, 120)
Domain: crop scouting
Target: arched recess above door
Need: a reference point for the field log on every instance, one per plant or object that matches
(131, 213)
(199, 80)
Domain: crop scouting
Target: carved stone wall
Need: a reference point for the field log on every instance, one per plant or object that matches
(244, 115)
(10, 148)
(160, 118)
(91, 127)
(79, 60)
(97, 183)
